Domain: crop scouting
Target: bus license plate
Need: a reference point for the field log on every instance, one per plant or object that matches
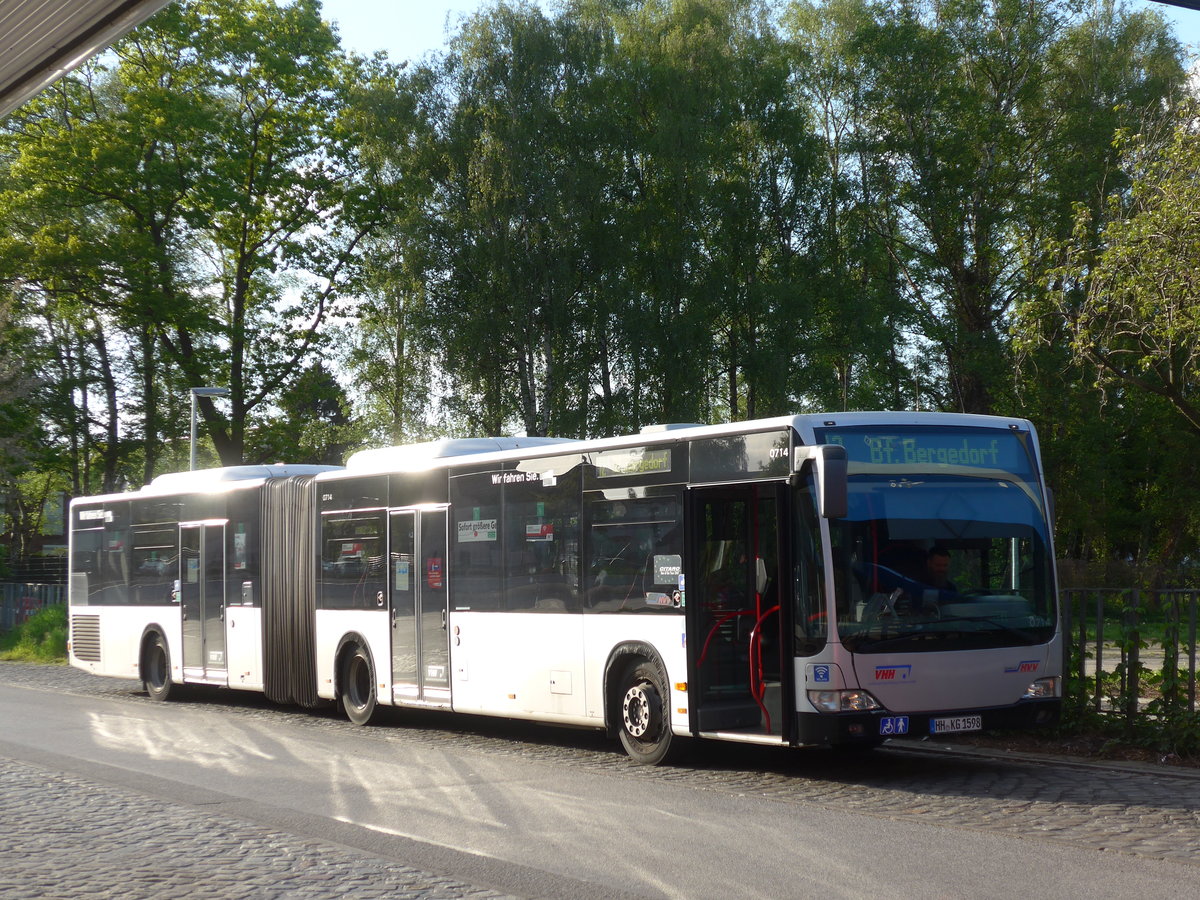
(955, 723)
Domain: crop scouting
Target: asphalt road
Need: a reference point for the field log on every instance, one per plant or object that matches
(105, 793)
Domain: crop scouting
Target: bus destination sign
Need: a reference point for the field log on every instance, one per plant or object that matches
(982, 450)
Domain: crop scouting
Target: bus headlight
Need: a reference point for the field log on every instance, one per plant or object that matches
(843, 701)
(1043, 689)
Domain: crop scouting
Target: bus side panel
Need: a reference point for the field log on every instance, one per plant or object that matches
(110, 638)
(374, 625)
(662, 631)
(244, 647)
(524, 665)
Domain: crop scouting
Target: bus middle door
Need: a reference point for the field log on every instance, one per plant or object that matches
(418, 597)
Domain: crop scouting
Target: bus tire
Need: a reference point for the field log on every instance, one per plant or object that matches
(156, 667)
(645, 724)
(358, 685)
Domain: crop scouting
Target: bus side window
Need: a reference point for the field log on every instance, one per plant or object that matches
(114, 561)
(541, 528)
(635, 555)
(85, 566)
(155, 563)
(476, 531)
(353, 574)
(811, 622)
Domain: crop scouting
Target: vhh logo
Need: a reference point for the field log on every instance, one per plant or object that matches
(893, 673)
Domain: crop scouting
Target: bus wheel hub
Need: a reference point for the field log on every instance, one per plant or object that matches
(637, 709)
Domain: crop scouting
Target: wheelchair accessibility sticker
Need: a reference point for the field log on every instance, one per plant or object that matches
(893, 726)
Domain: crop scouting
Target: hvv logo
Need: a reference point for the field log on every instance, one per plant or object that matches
(893, 673)
(1026, 665)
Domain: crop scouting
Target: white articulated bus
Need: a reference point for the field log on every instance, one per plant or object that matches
(802, 581)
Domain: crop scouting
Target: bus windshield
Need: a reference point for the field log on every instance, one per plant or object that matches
(945, 545)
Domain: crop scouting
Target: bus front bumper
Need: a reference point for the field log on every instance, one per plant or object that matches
(865, 728)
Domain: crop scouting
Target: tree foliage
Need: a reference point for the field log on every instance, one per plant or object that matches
(1137, 317)
(162, 208)
(581, 218)
(1124, 315)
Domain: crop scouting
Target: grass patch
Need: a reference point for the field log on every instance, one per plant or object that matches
(40, 638)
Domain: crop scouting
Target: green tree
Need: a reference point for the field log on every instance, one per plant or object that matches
(314, 424)
(614, 229)
(858, 354)
(965, 153)
(714, 187)
(390, 347)
(508, 300)
(1138, 322)
(22, 436)
(1124, 316)
(482, 272)
(167, 203)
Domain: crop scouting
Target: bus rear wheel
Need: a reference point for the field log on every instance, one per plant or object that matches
(645, 727)
(156, 668)
(358, 686)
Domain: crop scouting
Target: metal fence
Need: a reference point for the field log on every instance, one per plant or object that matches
(19, 601)
(1130, 652)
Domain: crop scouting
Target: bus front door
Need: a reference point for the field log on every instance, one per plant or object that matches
(417, 588)
(202, 598)
(736, 622)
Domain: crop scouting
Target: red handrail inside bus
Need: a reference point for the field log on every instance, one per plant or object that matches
(758, 687)
(717, 624)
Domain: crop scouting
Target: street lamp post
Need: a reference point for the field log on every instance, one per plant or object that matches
(201, 392)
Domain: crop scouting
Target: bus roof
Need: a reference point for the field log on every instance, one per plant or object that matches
(420, 456)
(215, 479)
(435, 454)
(210, 480)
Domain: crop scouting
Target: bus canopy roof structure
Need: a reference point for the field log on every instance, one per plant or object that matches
(42, 40)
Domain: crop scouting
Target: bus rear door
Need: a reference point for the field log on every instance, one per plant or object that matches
(202, 597)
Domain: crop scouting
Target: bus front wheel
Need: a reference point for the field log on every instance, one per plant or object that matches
(358, 686)
(156, 668)
(645, 723)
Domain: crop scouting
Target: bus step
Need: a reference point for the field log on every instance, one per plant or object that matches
(729, 714)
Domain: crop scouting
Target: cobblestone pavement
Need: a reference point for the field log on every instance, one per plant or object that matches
(1135, 810)
(65, 837)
